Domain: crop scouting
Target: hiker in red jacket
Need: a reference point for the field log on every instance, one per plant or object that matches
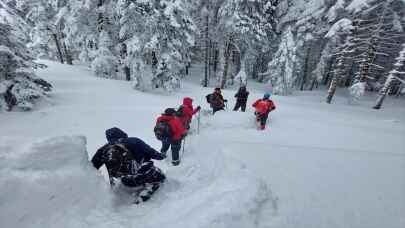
(262, 109)
(186, 111)
(170, 131)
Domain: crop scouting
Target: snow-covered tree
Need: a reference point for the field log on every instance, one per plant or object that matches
(19, 86)
(245, 25)
(342, 37)
(159, 34)
(281, 69)
(397, 74)
(104, 65)
(376, 35)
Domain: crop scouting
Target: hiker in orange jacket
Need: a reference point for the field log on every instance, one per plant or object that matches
(262, 109)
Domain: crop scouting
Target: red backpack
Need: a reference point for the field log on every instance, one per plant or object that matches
(262, 106)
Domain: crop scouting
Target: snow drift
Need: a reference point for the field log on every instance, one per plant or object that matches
(53, 185)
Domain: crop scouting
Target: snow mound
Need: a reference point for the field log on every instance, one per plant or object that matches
(52, 184)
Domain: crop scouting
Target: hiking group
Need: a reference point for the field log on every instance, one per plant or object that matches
(129, 159)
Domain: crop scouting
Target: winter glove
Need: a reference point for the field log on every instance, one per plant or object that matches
(198, 108)
(160, 156)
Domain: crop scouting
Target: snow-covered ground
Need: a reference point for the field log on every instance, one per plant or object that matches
(317, 165)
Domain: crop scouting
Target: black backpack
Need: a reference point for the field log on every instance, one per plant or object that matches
(208, 97)
(119, 160)
(162, 130)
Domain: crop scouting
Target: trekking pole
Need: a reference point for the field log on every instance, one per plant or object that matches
(184, 144)
(198, 121)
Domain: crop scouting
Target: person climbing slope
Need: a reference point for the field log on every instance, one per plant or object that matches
(171, 132)
(129, 161)
(262, 109)
(216, 100)
(186, 111)
(241, 99)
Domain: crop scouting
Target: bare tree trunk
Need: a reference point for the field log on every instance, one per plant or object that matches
(304, 77)
(326, 78)
(55, 38)
(383, 92)
(210, 60)
(226, 63)
(206, 64)
(335, 79)
(332, 89)
(216, 58)
(68, 56)
(313, 84)
(127, 72)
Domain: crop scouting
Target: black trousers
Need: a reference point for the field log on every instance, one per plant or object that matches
(216, 109)
(175, 146)
(152, 176)
(240, 104)
(262, 118)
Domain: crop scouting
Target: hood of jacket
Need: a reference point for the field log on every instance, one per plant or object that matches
(114, 134)
(187, 101)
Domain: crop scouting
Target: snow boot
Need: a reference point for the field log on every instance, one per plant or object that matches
(176, 162)
(146, 193)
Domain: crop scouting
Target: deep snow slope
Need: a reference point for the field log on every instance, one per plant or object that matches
(323, 165)
(50, 183)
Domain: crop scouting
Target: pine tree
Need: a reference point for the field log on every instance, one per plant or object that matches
(340, 67)
(375, 38)
(281, 68)
(158, 35)
(104, 65)
(19, 86)
(397, 74)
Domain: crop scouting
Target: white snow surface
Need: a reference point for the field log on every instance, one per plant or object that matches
(316, 165)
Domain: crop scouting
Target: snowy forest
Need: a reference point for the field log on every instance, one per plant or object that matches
(357, 45)
(202, 113)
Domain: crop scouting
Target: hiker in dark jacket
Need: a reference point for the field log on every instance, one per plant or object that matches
(216, 100)
(241, 99)
(129, 160)
(177, 134)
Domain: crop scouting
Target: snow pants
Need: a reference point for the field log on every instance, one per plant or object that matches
(151, 175)
(143, 184)
(216, 109)
(175, 146)
(262, 119)
(240, 104)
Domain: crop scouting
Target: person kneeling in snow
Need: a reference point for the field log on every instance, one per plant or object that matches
(262, 109)
(171, 132)
(129, 160)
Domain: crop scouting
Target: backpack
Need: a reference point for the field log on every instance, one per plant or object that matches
(262, 107)
(208, 97)
(119, 160)
(179, 112)
(163, 130)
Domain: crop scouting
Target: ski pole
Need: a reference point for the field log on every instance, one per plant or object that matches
(184, 144)
(198, 122)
